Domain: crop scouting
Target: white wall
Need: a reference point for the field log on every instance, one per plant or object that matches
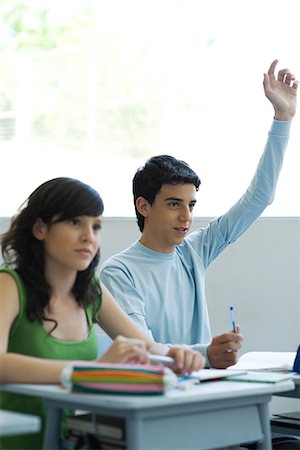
(259, 275)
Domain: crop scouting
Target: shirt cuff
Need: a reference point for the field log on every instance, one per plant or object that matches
(280, 127)
(202, 348)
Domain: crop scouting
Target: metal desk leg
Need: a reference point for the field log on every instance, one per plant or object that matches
(52, 432)
(134, 439)
(266, 443)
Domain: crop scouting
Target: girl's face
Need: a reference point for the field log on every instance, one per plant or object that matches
(71, 244)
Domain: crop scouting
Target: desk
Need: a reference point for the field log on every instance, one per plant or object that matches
(289, 427)
(209, 416)
(295, 393)
(12, 423)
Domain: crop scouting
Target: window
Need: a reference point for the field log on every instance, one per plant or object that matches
(91, 89)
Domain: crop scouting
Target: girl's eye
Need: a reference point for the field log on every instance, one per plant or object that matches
(97, 227)
(74, 221)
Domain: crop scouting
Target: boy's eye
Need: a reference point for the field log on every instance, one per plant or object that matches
(174, 204)
(97, 227)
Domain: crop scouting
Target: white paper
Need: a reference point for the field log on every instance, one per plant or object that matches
(214, 374)
(265, 361)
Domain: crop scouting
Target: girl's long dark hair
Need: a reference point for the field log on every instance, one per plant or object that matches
(54, 201)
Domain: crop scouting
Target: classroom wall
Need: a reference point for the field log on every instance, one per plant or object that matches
(259, 274)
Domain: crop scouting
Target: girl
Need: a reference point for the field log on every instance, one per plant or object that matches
(50, 298)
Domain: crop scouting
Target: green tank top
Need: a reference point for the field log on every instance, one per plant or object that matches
(30, 338)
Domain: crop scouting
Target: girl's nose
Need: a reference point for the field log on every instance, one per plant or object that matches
(87, 234)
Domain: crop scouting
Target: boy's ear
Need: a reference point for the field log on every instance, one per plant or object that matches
(39, 229)
(143, 206)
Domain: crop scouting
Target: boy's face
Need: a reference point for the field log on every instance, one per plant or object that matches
(168, 219)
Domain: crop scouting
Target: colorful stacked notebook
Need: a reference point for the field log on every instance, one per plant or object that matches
(105, 378)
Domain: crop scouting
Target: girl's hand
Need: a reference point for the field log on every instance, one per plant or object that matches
(187, 360)
(125, 350)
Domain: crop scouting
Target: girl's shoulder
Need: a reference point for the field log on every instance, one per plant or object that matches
(11, 299)
(6, 280)
(10, 276)
(12, 284)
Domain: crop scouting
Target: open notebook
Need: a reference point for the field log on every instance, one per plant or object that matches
(215, 374)
(262, 377)
(277, 361)
(204, 375)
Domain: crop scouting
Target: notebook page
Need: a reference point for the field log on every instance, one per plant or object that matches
(265, 361)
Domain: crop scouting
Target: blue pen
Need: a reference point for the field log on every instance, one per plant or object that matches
(232, 316)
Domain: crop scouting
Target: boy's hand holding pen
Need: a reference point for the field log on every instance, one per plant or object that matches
(222, 352)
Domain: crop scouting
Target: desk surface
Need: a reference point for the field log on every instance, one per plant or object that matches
(295, 393)
(201, 393)
(296, 378)
(239, 411)
(12, 423)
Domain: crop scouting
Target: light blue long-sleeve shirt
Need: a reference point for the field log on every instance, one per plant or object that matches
(165, 292)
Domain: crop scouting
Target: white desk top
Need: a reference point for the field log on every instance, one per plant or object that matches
(222, 402)
(12, 423)
(209, 391)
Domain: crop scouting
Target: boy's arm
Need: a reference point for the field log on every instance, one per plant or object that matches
(125, 293)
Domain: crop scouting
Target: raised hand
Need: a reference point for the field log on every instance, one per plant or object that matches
(281, 91)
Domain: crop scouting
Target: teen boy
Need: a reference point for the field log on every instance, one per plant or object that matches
(160, 280)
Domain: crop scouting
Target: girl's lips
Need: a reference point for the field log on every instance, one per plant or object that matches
(84, 252)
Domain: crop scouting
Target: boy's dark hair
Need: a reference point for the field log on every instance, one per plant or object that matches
(159, 170)
(54, 201)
